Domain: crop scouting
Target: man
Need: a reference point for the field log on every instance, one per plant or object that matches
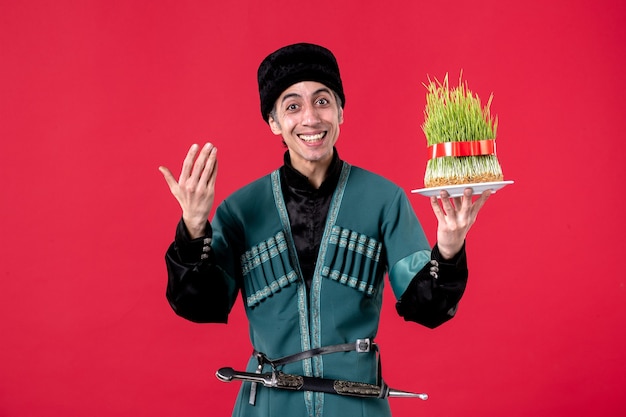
(308, 247)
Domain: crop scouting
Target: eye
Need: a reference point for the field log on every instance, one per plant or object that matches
(292, 107)
(322, 101)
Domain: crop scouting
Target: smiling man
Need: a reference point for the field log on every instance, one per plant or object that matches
(308, 248)
(307, 115)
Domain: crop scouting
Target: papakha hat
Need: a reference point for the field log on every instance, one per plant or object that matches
(292, 64)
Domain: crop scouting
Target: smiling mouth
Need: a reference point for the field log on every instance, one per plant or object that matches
(312, 138)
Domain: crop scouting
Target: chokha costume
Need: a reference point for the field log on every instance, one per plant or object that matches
(310, 266)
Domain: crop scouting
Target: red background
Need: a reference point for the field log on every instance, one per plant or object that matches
(95, 95)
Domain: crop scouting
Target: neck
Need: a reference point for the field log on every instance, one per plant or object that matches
(315, 171)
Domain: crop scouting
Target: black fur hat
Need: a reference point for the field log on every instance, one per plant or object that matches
(292, 64)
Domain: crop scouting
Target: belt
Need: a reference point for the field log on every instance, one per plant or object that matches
(360, 346)
(280, 380)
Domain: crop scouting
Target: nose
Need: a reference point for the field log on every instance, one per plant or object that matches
(310, 115)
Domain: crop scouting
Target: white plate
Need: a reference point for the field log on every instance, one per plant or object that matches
(457, 189)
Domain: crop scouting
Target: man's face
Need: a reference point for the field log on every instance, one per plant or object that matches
(307, 116)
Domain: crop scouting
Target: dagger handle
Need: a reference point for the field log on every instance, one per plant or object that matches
(229, 374)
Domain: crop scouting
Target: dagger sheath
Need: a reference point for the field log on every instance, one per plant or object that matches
(281, 380)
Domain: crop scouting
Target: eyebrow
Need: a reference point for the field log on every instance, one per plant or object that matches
(316, 92)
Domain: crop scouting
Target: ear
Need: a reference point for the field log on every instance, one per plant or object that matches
(340, 115)
(274, 126)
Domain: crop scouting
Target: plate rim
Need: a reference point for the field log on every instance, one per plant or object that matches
(455, 186)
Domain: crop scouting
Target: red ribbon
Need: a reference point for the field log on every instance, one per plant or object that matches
(473, 148)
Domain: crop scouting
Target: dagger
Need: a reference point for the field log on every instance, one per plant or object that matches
(281, 380)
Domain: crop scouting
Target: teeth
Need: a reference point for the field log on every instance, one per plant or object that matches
(312, 138)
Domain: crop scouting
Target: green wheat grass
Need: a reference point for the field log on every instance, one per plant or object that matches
(457, 115)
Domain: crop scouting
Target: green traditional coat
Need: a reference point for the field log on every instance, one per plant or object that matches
(371, 229)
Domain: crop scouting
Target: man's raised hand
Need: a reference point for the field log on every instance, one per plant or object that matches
(195, 188)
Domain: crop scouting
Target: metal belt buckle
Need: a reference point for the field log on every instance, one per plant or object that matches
(363, 345)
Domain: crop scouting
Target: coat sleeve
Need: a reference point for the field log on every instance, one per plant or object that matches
(432, 300)
(197, 288)
(422, 298)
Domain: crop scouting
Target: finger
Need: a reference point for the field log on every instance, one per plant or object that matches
(481, 201)
(466, 204)
(200, 164)
(446, 203)
(169, 178)
(208, 173)
(437, 209)
(188, 163)
(213, 176)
